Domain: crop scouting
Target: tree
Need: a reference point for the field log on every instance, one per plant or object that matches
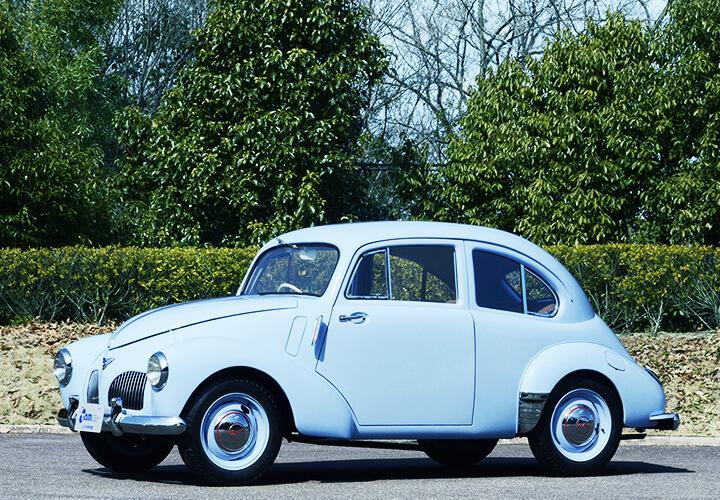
(148, 43)
(259, 134)
(440, 46)
(687, 201)
(51, 123)
(579, 147)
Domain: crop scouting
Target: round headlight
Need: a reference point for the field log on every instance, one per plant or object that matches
(62, 367)
(157, 371)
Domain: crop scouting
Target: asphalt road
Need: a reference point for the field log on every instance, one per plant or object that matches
(57, 466)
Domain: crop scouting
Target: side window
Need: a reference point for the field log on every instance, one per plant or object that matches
(423, 273)
(501, 283)
(497, 282)
(370, 278)
(540, 299)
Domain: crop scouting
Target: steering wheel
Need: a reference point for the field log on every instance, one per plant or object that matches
(288, 286)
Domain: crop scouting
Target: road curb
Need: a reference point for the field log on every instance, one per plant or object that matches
(33, 429)
(648, 441)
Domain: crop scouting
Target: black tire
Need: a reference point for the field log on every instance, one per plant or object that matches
(579, 430)
(233, 432)
(457, 452)
(127, 453)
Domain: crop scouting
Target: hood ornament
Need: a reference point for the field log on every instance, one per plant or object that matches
(106, 362)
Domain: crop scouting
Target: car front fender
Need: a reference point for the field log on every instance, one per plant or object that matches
(84, 353)
(640, 394)
(318, 409)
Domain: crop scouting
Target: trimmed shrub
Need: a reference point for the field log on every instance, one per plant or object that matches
(648, 287)
(97, 285)
(632, 287)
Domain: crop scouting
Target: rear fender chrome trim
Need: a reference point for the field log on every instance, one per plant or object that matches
(530, 409)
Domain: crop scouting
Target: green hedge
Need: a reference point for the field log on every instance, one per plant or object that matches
(648, 287)
(633, 287)
(96, 285)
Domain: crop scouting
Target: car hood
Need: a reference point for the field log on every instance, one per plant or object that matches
(177, 316)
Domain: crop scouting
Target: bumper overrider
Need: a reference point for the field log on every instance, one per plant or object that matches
(120, 423)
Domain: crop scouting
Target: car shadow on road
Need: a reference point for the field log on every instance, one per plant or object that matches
(385, 469)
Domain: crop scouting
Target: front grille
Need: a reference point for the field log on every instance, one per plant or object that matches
(130, 387)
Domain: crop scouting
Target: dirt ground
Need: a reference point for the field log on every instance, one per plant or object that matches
(688, 365)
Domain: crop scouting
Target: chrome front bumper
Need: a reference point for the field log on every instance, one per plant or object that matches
(120, 423)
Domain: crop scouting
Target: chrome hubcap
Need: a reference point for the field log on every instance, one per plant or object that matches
(235, 431)
(581, 425)
(578, 423)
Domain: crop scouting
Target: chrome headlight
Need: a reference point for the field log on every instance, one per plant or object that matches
(157, 371)
(62, 367)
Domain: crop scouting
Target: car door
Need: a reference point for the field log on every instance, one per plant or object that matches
(400, 343)
(514, 309)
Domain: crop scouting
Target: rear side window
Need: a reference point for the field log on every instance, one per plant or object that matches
(420, 273)
(506, 285)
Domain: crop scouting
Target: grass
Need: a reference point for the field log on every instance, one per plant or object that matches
(688, 365)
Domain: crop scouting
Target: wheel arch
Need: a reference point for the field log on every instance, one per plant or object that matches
(592, 375)
(259, 376)
(559, 362)
(532, 405)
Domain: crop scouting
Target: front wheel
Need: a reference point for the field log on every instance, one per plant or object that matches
(579, 430)
(233, 432)
(457, 452)
(127, 453)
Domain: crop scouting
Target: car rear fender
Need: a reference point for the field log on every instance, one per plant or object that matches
(640, 394)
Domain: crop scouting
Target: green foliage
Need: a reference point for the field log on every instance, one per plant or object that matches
(632, 287)
(648, 287)
(82, 284)
(392, 178)
(258, 136)
(583, 146)
(688, 203)
(52, 111)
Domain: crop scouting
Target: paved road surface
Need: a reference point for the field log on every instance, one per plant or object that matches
(57, 466)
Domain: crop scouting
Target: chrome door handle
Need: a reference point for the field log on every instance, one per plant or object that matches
(357, 317)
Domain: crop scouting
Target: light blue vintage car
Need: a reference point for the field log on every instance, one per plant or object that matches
(449, 335)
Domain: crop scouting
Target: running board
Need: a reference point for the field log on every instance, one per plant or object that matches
(356, 443)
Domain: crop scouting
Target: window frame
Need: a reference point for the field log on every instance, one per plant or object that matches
(385, 248)
(524, 268)
(250, 280)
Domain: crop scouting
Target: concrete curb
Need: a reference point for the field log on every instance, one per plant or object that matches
(33, 429)
(648, 441)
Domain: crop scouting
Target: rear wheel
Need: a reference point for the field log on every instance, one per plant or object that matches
(580, 428)
(127, 453)
(233, 432)
(457, 452)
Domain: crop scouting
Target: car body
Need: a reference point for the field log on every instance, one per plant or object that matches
(448, 334)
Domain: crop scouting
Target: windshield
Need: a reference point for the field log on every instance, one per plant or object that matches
(299, 269)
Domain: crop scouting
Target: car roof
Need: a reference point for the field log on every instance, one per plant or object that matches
(349, 237)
